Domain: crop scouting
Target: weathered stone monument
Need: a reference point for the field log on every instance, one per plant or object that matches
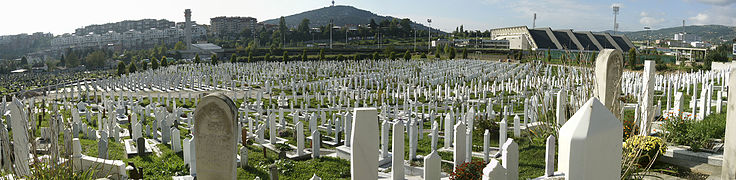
(214, 129)
(608, 69)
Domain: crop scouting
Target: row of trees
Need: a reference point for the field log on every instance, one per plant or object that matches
(460, 32)
(389, 53)
(387, 28)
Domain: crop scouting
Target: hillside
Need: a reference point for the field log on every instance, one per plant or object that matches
(712, 33)
(341, 15)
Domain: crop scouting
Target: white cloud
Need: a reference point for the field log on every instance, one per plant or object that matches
(648, 20)
(723, 15)
(718, 2)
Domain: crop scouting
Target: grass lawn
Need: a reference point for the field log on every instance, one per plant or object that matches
(324, 167)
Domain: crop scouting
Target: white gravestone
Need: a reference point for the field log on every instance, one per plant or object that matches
(510, 156)
(364, 155)
(590, 144)
(648, 92)
(728, 170)
(432, 166)
(459, 151)
(397, 152)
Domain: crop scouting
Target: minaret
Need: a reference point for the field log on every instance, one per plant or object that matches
(188, 28)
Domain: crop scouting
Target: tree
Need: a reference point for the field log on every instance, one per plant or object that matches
(213, 59)
(285, 57)
(391, 55)
(407, 55)
(719, 55)
(23, 61)
(132, 68)
(164, 61)
(452, 52)
(707, 62)
(304, 55)
(250, 57)
(283, 29)
(196, 59)
(180, 46)
(72, 60)
(376, 56)
(632, 57)
(268, 57)
(96, 59)
(437, 49)
(437, 53)
(233, 58)
(144, 66)
(373, 24)
(424, 56)
(303, 29)
(465, 53)
(339, 57)
(62, 61)
(592, 57)
(121, 68)
(322, 54)
(447, 48)
(549, 56)
(154, 63)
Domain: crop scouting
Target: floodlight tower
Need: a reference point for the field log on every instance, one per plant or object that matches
(615, 15)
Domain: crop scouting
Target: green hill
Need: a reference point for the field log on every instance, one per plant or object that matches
(713, 33)
(341, 15)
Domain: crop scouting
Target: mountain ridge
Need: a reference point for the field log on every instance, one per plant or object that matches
(712, 33)
(341, 15)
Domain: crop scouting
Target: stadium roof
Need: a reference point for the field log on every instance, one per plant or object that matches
(567, 39)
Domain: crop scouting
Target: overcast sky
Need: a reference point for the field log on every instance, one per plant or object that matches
(63, 16)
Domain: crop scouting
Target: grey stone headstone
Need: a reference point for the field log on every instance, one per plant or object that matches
(316, 143)
(243, 157)
(216, 137)
(102, 149)
(141, 146)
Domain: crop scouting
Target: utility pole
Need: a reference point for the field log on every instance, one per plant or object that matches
(331, 33)
(429, 36)
(346, 37)
(648, 36)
